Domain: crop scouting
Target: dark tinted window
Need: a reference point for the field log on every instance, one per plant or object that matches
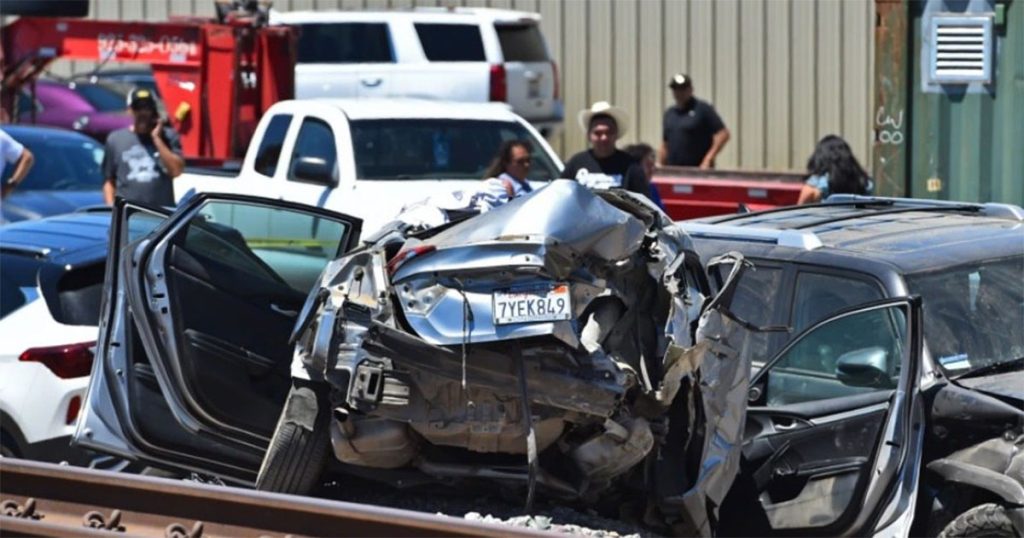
(270, 147)
(820, 295)
(102, 98)
(451, 42)
(63, 163)
(437, 148)
(315, 140)
(344, 43)
(754, 302)
(17, 282)
(522, 43)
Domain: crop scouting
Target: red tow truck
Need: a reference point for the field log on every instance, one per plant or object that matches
(215, 76)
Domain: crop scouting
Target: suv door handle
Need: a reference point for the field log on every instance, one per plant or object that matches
(371, 82)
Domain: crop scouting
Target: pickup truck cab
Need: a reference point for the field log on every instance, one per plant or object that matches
(372, 157)
(458, 54)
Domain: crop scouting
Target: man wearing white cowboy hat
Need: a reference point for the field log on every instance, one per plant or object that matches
(604, 124)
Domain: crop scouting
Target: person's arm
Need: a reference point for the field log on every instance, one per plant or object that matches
(717, 143)
(170, 152)
(108, 191)
(21, 168)
(808, 195)
(662, 153)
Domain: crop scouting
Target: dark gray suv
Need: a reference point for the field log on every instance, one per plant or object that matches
(821, 402)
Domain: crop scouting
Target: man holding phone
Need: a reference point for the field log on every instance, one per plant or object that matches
(141, 160)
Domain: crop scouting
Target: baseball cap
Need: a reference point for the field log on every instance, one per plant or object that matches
(141, 97)
(680, 80)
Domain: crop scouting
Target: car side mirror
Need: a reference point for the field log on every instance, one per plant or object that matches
(314, 170)
(864, 368)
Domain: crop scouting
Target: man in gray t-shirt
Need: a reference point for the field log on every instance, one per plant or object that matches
(141, 161)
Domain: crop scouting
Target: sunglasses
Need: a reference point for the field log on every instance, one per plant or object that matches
(523, 160)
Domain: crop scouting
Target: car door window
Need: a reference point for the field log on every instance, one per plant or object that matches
(852, 354)
(269, 151)
(819, 295)
(755, 302)
(345, 43)
(451, 42)
(281, 246)
(315, 141)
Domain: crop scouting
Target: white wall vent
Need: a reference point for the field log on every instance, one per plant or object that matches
(961, 49)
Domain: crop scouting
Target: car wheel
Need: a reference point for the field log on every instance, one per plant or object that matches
(982, 520)
(298, 450)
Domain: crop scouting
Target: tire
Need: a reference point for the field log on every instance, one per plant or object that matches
(298, 450)
(982, 520)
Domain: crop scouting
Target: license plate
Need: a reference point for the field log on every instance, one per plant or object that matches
(527, 305)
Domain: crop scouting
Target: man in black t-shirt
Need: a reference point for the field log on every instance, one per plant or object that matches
(604, 125)
(692, 132)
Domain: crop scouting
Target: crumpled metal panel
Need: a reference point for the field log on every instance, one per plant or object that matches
(550, 219)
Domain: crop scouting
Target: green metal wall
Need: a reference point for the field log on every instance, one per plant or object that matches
(973, 144)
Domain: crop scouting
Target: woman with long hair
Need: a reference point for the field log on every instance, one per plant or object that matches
(512, 166)
(832, 169)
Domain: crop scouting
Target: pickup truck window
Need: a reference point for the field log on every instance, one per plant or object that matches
(451, 42)
(344, 43)
(269, 151)
(521, 43)
(316, 140)
(437, 148)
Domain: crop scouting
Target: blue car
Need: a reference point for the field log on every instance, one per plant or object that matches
(67, 174)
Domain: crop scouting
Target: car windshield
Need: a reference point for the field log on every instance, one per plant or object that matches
(63, 163)
(973, 313)
(102, 98)
(438, 148)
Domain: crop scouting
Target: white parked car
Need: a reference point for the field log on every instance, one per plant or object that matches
(51, 282)
(370, 158)
(460, 54)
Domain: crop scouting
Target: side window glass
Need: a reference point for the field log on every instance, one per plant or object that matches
(282, 246)
(315, 157)
(344, 43)
(451, 42)
(853, 354)
(754, 302)
(820, 295)
(270, 147)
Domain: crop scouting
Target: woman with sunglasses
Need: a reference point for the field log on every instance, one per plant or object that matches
(512, 166)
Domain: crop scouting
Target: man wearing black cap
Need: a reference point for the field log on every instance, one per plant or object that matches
(141, 161)
(692, 132)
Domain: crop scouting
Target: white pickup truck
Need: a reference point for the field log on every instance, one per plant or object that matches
(371, 157)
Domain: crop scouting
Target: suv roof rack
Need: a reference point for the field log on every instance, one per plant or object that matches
(801, 239)
(990, 209)
(894, 205)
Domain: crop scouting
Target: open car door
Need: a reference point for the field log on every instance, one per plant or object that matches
(193, 360)
(833, 429)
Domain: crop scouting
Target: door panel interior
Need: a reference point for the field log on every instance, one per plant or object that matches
(234, 333)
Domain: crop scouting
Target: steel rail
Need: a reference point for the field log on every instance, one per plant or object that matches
(42, 499)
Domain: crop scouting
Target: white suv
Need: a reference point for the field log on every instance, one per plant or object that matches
(459, 54)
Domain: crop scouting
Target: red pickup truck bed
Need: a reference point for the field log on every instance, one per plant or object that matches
(690, 193)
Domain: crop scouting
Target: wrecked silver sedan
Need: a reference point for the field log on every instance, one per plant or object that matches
(566, 344)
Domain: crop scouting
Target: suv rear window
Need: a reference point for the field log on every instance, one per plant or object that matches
(451, 42)
(521, 43)
(344, 43)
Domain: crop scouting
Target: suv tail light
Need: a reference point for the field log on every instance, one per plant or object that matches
(499, 86)
(554, 74)
(68, 361)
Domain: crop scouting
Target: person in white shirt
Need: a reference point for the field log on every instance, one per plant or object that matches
(512, 167)
(11, 151)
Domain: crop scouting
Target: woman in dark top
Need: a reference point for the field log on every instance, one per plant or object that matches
(832, 169)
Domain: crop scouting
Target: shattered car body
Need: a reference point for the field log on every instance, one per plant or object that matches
(410, 333)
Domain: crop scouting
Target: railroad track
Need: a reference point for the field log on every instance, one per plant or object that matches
(42, 499)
